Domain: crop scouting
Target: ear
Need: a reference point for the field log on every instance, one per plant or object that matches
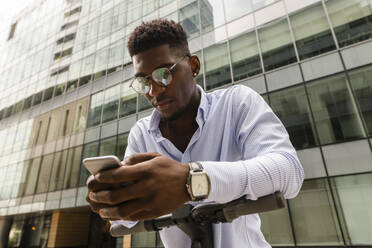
(195, 65)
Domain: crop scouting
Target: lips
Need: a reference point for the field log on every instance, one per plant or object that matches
(163, 104)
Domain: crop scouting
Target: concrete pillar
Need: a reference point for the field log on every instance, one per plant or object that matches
(127, 241)
(69, 229)
(5, 225)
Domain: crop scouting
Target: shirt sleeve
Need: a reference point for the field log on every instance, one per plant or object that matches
(274, 165)
(132, 147)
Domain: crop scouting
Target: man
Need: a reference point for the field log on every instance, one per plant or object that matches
(231, 135)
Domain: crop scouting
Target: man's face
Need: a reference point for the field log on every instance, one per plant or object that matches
(172, 100)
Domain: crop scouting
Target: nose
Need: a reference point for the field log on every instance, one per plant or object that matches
(155, 89)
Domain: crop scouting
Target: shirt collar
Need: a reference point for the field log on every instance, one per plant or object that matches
(201, 117)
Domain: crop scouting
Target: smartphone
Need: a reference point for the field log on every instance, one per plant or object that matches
(97, 164)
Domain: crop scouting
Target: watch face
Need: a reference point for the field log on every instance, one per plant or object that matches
(199, 185)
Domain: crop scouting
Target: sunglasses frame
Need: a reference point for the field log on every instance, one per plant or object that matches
(148, 77)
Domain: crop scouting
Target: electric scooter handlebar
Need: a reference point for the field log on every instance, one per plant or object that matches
(205, 213)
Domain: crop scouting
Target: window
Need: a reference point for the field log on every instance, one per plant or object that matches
(314, 216)
(65, 122)
(66, 39)
(164, 2)
(119, 18)
(354, 202)
(58, 171)
(144, 239)
(9, 140)
(48, 94)
(292, 108)
(107, 146)
(15, 233)
(80, 40)
(257, 4)
(30, 183)
(94, 114)
(74, 70)
(351, 19)
(90, 150)
(12, 30)
(22, 135)
(23, 178)
(6, 189)
(143, 103)
(62, 54)
(60, 89)
(105, 25)
(276, 45)
(37, 98)
(211, 14)
(44, 174)
(26, 104)
(40, 124)
(116, 57)
(134, 11)
(16, 181)
(111, 104)
(216, 64)
(312, 32)
(72, 12)
(276, 227)
(85, 80)
(55, 122)
(71, 85)
(128, 100)
(18, 107)
(335, 113)
(122, 145)
(236, 8)
(81, 115)
(189, 19)
(72, 167)
(149, 7)
(100, 65)
(69, 24)
(3, 174)
(87, 65)
(361, 82)
(244, 56)
(92, 32)
(34, 231)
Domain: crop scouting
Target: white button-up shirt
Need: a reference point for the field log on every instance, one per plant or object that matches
(245, 150)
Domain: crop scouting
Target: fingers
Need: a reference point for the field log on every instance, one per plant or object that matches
(122, 174)
(140, 157)
(94, 206)
(118, 195)
(122, 211)
(94, 185)
(144, 215)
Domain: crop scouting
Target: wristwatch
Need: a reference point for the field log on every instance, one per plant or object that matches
(198, 184)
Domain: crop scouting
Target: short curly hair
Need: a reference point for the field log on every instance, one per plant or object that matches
(155, 33)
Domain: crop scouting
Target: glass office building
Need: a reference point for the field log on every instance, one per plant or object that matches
(64, 85)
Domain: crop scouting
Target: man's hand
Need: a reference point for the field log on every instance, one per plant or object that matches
(94, 186)
(157, 188)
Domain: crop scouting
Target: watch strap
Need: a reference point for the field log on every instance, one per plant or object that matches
(195, 166)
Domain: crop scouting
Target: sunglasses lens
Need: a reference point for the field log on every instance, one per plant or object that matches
(141, 84)
(162, 75)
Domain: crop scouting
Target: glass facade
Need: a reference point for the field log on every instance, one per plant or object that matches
(65, 96)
